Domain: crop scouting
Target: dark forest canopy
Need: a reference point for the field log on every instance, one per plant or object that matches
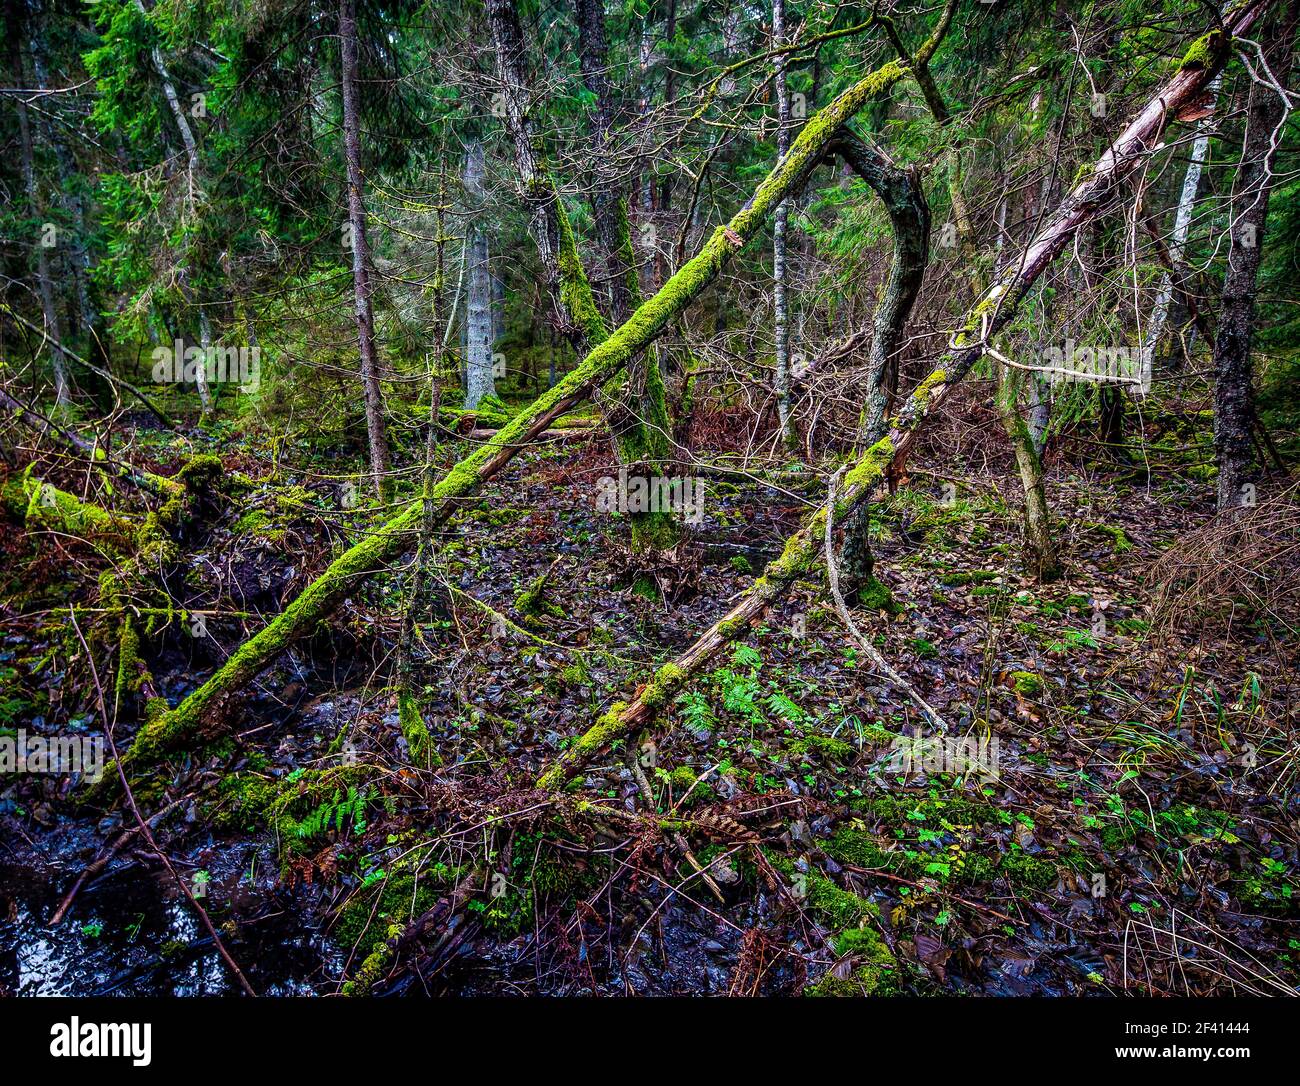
(815, 480)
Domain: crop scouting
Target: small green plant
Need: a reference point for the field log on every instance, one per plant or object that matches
(740, 694)
(696, 712)
(338, 813)
(782, 706)
(1072, 639)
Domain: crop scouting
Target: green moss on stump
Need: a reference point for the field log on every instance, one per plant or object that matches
(876, 596)
(416, 732)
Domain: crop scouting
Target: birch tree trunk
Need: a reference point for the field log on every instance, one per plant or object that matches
(1178, 241)
(478, 299)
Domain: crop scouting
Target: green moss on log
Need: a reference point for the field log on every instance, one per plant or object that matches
(602, 362)
(415, 731)
(666, 682)
(607, 728)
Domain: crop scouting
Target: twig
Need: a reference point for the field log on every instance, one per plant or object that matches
(93, 868)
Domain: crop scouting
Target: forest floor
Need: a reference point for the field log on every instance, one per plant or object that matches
(1139, 833)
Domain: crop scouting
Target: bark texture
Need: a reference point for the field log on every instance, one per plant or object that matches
(479, 380)
(1234, 398)
(363, 311)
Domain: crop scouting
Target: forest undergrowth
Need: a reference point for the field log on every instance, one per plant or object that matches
(1120, 812)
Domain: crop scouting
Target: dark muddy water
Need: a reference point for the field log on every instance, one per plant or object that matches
(130, 933)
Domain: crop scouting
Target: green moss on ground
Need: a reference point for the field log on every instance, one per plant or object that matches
(1027, 684)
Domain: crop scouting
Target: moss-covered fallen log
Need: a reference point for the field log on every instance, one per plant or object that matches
(1090, 197)
(651, 318)
(44, 507)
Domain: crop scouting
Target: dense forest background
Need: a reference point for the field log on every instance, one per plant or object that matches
(658, 496)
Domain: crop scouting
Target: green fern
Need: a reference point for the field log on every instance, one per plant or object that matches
(337, 813)
(783, 707)
(697, 713)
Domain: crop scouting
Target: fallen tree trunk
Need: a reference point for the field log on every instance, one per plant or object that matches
(610, 356)
(1088, 199)
(42, 506)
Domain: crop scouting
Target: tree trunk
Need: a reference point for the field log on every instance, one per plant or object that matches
(909, 214)
(205, 341)
(88, 316)
(1234, 398)
(1040, 557)
(1178, 241)
(609, 192)
(639, 422)
(569, 288)
(361, 268)
(779, 223)
(44, 283)
(478, 300)
(192, 189)
(410, 713)
(602, 363)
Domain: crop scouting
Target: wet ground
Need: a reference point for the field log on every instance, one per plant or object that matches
(1118, 760)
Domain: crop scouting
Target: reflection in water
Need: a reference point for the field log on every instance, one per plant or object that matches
(128, 934)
